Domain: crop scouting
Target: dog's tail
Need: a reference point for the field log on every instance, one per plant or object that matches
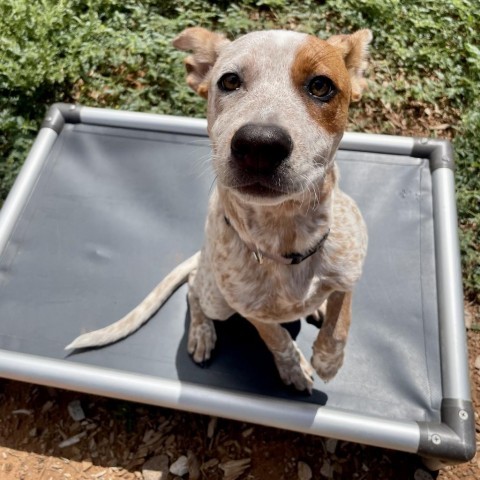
(142, 312)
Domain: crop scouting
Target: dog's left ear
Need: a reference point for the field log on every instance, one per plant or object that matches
(206, 47)
(354, 49)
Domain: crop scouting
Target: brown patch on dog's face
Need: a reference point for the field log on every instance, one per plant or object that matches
(318, 64)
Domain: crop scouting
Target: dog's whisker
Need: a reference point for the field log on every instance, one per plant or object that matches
(203, 170)
(210, 190)
(306, 193)
(314, 200)
(309, 191)
(203, 159)
(200, 141)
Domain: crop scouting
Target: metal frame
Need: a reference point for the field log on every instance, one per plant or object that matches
(451, 441)
(306, 418)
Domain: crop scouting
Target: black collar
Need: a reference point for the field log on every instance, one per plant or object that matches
(287, 259)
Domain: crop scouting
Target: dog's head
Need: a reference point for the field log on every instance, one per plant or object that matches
(277, 105)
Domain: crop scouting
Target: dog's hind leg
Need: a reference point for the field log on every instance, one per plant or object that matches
(328, 348)
(292, 366)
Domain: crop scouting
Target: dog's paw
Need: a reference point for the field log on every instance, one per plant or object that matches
(294, 369)
(201, 340)
(327, 363)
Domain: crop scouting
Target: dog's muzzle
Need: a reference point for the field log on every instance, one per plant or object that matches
(260, 148)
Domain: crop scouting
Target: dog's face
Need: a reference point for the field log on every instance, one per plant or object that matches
(277, 105)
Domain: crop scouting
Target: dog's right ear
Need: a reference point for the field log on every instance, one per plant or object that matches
(206, 47)
(354, 49)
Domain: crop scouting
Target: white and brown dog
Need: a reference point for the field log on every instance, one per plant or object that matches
(282, 239)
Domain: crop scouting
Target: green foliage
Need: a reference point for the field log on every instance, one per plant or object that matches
(425, 74)
(467, 145)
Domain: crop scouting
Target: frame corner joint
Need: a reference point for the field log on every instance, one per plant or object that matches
(59, 114)
(438, 151)
(453, 440)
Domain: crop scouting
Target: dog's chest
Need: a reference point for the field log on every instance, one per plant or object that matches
(268, 291)
(273, 291)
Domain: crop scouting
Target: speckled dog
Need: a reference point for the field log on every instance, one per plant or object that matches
(282, 240)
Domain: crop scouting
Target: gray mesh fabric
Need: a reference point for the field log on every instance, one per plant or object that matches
(115, 209)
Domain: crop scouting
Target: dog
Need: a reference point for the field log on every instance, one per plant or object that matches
(282, 241)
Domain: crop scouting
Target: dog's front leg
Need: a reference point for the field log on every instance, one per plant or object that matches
(206, 303)
(292, 366)
(328, 349)
(201, 334)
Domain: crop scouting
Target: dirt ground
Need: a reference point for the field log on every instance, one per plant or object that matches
(44, 437)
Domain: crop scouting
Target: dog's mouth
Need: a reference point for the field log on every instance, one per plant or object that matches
(258, 189)
(253, 186)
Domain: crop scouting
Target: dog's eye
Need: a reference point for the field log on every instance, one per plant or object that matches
(229, 82)
(321, 88)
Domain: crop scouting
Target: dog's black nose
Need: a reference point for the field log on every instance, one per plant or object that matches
(261, 147)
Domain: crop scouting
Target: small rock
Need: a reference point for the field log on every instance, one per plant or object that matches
(246, 433)
(422, 475)
(331, 445)
(76, 411)
(179, 466)
(304, 471)
(156, 468)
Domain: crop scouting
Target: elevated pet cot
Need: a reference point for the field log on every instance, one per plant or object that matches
(108, 202)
